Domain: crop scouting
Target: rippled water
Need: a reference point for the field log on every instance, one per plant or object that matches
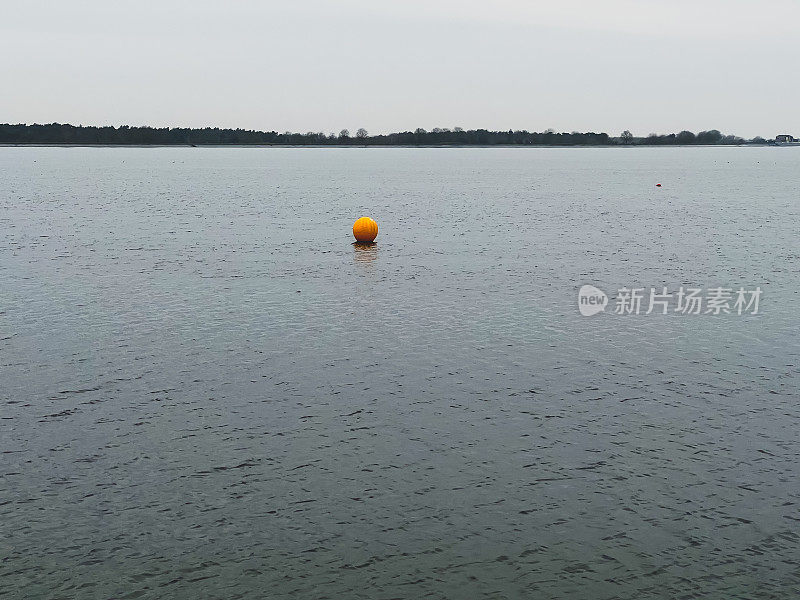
(208, 392)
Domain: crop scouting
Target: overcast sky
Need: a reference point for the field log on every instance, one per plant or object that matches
(390, 65)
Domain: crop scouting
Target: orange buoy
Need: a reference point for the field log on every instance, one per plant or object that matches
(365, 230)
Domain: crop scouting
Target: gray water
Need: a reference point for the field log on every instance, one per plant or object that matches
(208, 392)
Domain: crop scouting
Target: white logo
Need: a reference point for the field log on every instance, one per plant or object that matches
(591, 300)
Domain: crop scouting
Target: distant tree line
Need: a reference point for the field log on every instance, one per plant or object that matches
(687, 137)
(56, 133)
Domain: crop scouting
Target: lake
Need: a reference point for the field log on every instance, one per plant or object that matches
(207, 391)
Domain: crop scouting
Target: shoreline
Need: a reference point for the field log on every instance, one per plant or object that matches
(370, 146)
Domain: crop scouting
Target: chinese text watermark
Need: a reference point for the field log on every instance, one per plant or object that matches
(684, 300)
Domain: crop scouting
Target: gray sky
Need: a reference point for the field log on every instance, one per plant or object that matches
(389, 65)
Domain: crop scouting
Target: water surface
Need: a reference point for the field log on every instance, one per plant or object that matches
(207, 391)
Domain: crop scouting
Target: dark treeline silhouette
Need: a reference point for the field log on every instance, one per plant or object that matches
(56, 133)
(687, 137)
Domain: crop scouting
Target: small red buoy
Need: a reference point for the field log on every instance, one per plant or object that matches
(658, 185)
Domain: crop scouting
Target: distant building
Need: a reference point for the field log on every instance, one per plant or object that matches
(784, 138)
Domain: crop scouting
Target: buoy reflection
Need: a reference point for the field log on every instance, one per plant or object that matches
(365, 253)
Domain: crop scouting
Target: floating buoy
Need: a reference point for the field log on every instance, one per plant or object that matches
(365, 230)
(658, 185)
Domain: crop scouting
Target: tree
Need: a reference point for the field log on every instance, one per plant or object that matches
(627, 137)
(361, 133)
(709, 137)
(344, 134)
(685, 137)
